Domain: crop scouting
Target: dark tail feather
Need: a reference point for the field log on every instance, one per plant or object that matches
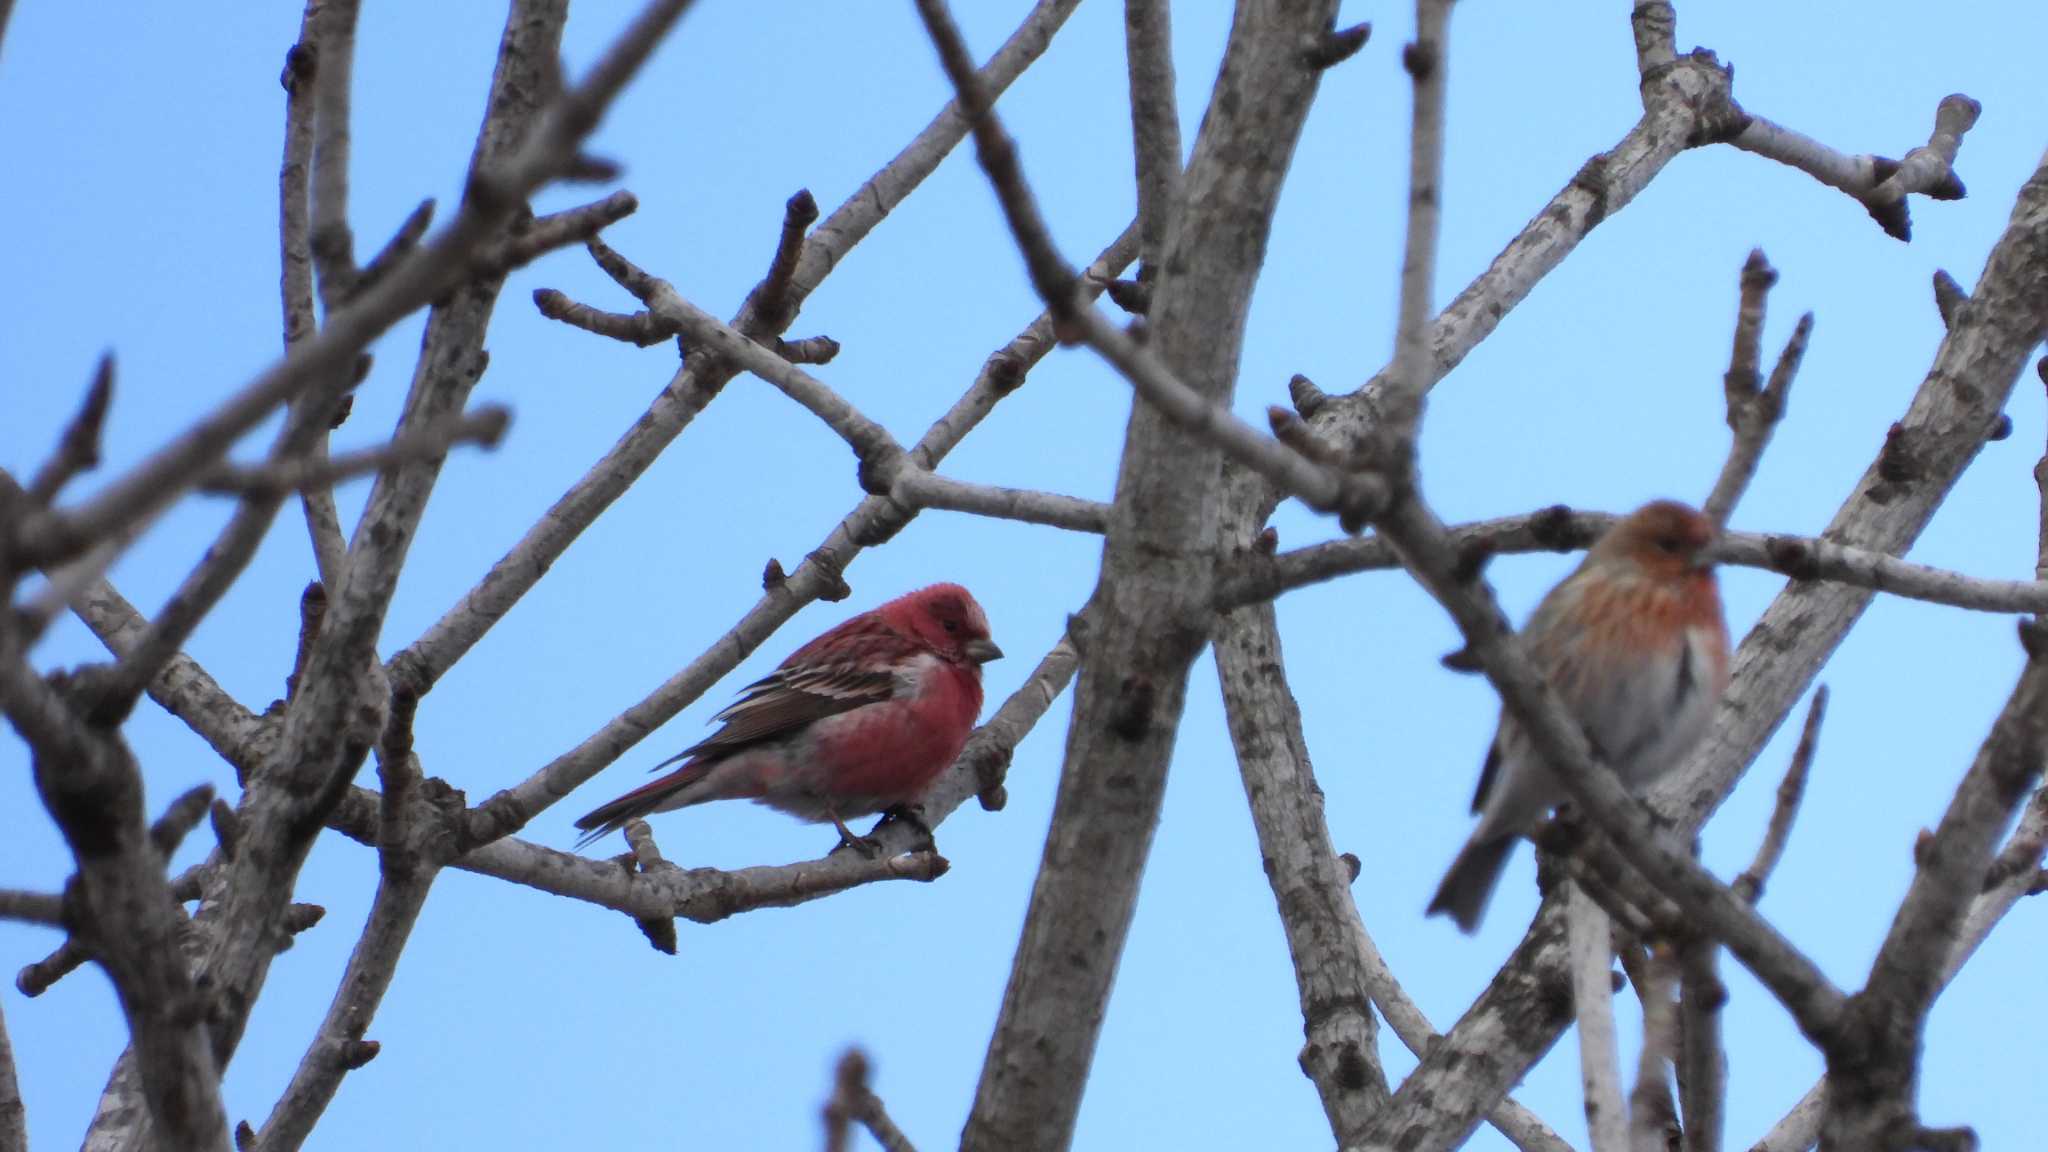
(606, 819)
(1469, 884)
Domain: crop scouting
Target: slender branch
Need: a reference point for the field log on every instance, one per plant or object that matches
(1754, 408)
(333, 245)
(1332, 952)
(336, 1047)
(1874, 1063)
(120, 909)
(1427, 61)
(1560, 529)
(321, 363)
(508, 580)
(1651, 1120)
(874, 520)
(1593, 1003)
(1155, 123)
(78, 449)
(1804, 990)
(485, 427)
(1151, 609)
(706, 895)
(1880, 185)
(852, 1102)
(13, 1117)
(1777, 661)
(1750, 885)
(1326, 938)
(640, 328)
(302, 79)
(917, 488)
(1702, 1059)
(1800, 1128)
(701, 330)
(45, 908)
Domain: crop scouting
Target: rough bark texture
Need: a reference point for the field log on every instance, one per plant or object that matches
(1149, 614)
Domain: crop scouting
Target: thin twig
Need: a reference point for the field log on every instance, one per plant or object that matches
(1593, 1004)
(78, 449)
(1427, 61)
(45, 908)
(1560, 529)
(820, 576)
(1750, 884)
(1753, 409)
(333, 244)
(322, 362)
(513, 575)
(1155, 124)
(484, 427)
(1651, 1118)
(1874, 1064)
(1702, 1062)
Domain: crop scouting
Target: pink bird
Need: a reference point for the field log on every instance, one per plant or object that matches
(1634, 642)
(858, 721)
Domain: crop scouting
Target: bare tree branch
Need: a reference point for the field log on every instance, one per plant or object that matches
(78, 449)
(1702, 1062)
(819, 577)
(1155, 124)
(1873, 1063)
(1326, 938)
(13, 1117)
(1427, 61)
(334, 1052)
(429, 657)
(45, 908)
(853, 1102)
(1652, 1125)
(1750, 885)
(1560, 529)
(1805, 991)
(1593, 1003)
(1147, 619)
(1754, 409)
(123, 913)
(1880, 185)
(485, 427)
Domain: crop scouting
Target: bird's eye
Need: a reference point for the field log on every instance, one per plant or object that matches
(952, 625)
(1669, 544)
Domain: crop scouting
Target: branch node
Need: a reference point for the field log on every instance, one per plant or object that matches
(1133, 296)
(1307, 398)
(227, 827)
(1335, 46)
(356, 1053)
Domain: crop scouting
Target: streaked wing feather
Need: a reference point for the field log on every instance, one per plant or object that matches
(806, 689)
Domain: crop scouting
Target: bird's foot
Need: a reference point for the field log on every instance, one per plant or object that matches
(912, 815)
(867, 846)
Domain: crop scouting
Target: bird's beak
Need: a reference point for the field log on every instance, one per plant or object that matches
(981, 651)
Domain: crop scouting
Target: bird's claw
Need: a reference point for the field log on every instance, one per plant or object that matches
(911, 815)
(868, 847)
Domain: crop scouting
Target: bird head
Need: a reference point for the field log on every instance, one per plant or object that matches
(1663, 540)
(946, 619)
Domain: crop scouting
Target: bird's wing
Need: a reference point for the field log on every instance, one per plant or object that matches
(1487, 772)
(860, 670)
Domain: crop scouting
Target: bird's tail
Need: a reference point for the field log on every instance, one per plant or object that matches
(1470, 882)
(654, 796)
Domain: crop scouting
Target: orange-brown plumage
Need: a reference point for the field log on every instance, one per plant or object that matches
(1635, 644)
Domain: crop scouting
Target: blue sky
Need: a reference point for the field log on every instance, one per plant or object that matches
(147, 140)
